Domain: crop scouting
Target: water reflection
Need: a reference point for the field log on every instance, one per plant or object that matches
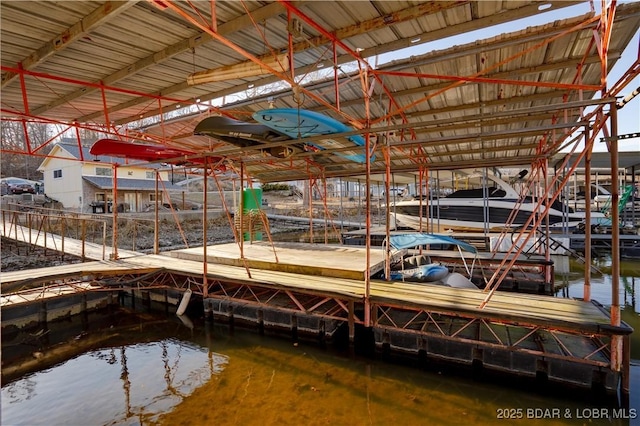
(131, 384)
(571, 285)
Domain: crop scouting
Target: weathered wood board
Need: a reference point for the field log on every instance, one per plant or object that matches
(301, 258)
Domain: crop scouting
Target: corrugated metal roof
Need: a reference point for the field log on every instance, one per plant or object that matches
(482, 101)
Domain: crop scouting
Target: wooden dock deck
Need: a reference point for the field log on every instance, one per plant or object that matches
(336, 270)
(565, 314)
(311, 259)
(526, 334)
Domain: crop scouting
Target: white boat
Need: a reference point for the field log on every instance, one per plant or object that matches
(496, 207)
(601, 199)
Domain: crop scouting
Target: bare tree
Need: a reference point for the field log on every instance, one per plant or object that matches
(21, 156)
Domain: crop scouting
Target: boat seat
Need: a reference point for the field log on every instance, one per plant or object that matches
(415, 261)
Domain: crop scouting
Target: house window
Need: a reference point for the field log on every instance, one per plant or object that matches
(104, 171)
(151, 175)
(57, 174)
(152, 198)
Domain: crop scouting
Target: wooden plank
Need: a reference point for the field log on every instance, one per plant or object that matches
(52, 273)
(520, 308)
(307, 260)
(310, 259)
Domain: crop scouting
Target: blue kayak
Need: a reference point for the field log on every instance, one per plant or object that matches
(300, 123)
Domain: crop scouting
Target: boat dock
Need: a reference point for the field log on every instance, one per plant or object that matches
(531, 272)
(545, 338)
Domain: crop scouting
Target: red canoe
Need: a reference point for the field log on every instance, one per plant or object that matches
(146, 152)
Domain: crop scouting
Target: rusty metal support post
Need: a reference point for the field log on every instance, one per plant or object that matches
(241, 210)
(367, 275)
(114, 213)
(616, 340)
(104, 239)
(83, 225)
(387, 180)
(63, 231)
(205, 229)
(587, 228)
(156, 222)
(312, 182)
(46, 222)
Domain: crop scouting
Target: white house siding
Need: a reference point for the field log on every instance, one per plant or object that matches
(136, 200)
(74, 191)
(66, 189)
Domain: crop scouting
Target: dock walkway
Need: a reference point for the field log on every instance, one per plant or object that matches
(526, 334)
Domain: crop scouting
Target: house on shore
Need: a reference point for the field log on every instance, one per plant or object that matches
(85, 183)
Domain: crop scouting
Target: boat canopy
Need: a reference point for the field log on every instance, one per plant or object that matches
(414, 239)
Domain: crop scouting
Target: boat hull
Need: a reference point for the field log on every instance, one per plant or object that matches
(148, 152)
(479, 215)
(243, 135)
(300, 123)
(423, 273)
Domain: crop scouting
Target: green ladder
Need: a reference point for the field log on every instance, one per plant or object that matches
(628, 191)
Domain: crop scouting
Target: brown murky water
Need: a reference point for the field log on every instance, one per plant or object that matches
(150, 369)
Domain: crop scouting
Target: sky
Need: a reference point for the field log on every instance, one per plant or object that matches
(628, 116)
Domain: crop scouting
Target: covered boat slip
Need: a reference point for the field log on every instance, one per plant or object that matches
(441, 322)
